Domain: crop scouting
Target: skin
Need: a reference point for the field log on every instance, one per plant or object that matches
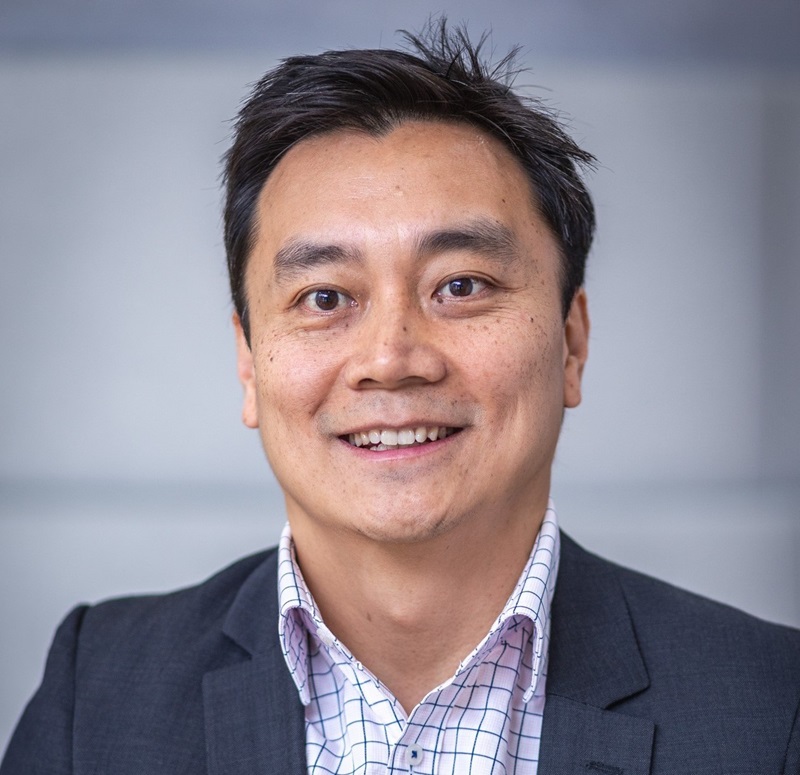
(355, 325)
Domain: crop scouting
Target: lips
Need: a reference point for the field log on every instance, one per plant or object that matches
(380, 439)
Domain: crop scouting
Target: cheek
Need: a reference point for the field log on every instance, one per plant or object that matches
(526, 347)
(294, 375)
(544, 342)
(520, 368)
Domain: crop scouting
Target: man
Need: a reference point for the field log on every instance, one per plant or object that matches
(406, 241)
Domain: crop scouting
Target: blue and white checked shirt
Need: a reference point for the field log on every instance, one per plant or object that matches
(486, 719)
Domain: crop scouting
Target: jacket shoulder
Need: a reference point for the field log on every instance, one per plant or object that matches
(170, 622)
(663, 613)
(122, 689)
(717, 681)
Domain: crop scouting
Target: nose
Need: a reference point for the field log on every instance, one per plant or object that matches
(395, 347)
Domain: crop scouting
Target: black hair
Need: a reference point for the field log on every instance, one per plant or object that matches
(375, 90)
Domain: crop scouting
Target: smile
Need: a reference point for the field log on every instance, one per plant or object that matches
(379, 440)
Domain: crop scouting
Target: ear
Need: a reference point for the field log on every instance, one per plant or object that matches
(576, 348)
(246, 371)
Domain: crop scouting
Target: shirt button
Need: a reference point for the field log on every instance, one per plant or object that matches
(414, 754)
(325, 636)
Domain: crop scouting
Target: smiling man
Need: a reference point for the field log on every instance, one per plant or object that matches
(408, 363)
(406, 242)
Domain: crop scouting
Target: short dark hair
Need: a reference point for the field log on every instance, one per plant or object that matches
(374, 91)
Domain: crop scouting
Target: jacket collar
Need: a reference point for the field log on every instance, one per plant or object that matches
(594, 663)
(254, 719)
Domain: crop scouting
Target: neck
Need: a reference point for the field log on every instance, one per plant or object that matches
(412, 612)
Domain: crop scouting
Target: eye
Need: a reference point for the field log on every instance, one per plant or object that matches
(459, 287)
(326, 300)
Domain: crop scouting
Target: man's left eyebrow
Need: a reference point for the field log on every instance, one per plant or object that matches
(484, 236)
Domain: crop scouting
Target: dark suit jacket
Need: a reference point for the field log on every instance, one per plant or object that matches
(643, 678)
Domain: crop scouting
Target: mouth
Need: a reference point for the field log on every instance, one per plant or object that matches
(382, 439)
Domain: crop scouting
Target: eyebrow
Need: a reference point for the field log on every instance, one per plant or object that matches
(481, 235)
(300, 255)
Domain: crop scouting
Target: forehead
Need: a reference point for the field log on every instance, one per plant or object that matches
(431, 144)
(417, 168)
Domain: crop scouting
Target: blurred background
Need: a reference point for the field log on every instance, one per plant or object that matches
(123, 464)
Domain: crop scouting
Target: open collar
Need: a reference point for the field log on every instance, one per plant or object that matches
(255, 720)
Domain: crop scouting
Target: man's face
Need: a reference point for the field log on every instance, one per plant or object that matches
(399, 286)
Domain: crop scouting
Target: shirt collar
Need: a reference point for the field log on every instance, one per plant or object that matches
(533, 595)
(298, 614)
(532, 598)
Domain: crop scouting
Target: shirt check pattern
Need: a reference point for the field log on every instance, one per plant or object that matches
(485, 720)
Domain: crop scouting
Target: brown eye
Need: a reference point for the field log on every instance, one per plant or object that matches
(325, 300)
(460, 287)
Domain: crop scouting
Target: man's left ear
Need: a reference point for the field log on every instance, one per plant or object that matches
(576, 348)
(246, 372)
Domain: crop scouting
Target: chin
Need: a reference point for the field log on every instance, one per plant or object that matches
(406, 527)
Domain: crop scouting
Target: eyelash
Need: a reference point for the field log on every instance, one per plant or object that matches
(471, 280)
(307, 300)
(310, 299)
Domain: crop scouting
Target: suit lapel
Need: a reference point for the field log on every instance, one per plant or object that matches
(254, 719)
(594, 662)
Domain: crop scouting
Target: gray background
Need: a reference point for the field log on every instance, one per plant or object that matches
(123, 466)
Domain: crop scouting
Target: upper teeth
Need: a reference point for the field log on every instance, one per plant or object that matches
(405, 437)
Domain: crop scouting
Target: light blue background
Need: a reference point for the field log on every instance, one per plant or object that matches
(123, 465)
